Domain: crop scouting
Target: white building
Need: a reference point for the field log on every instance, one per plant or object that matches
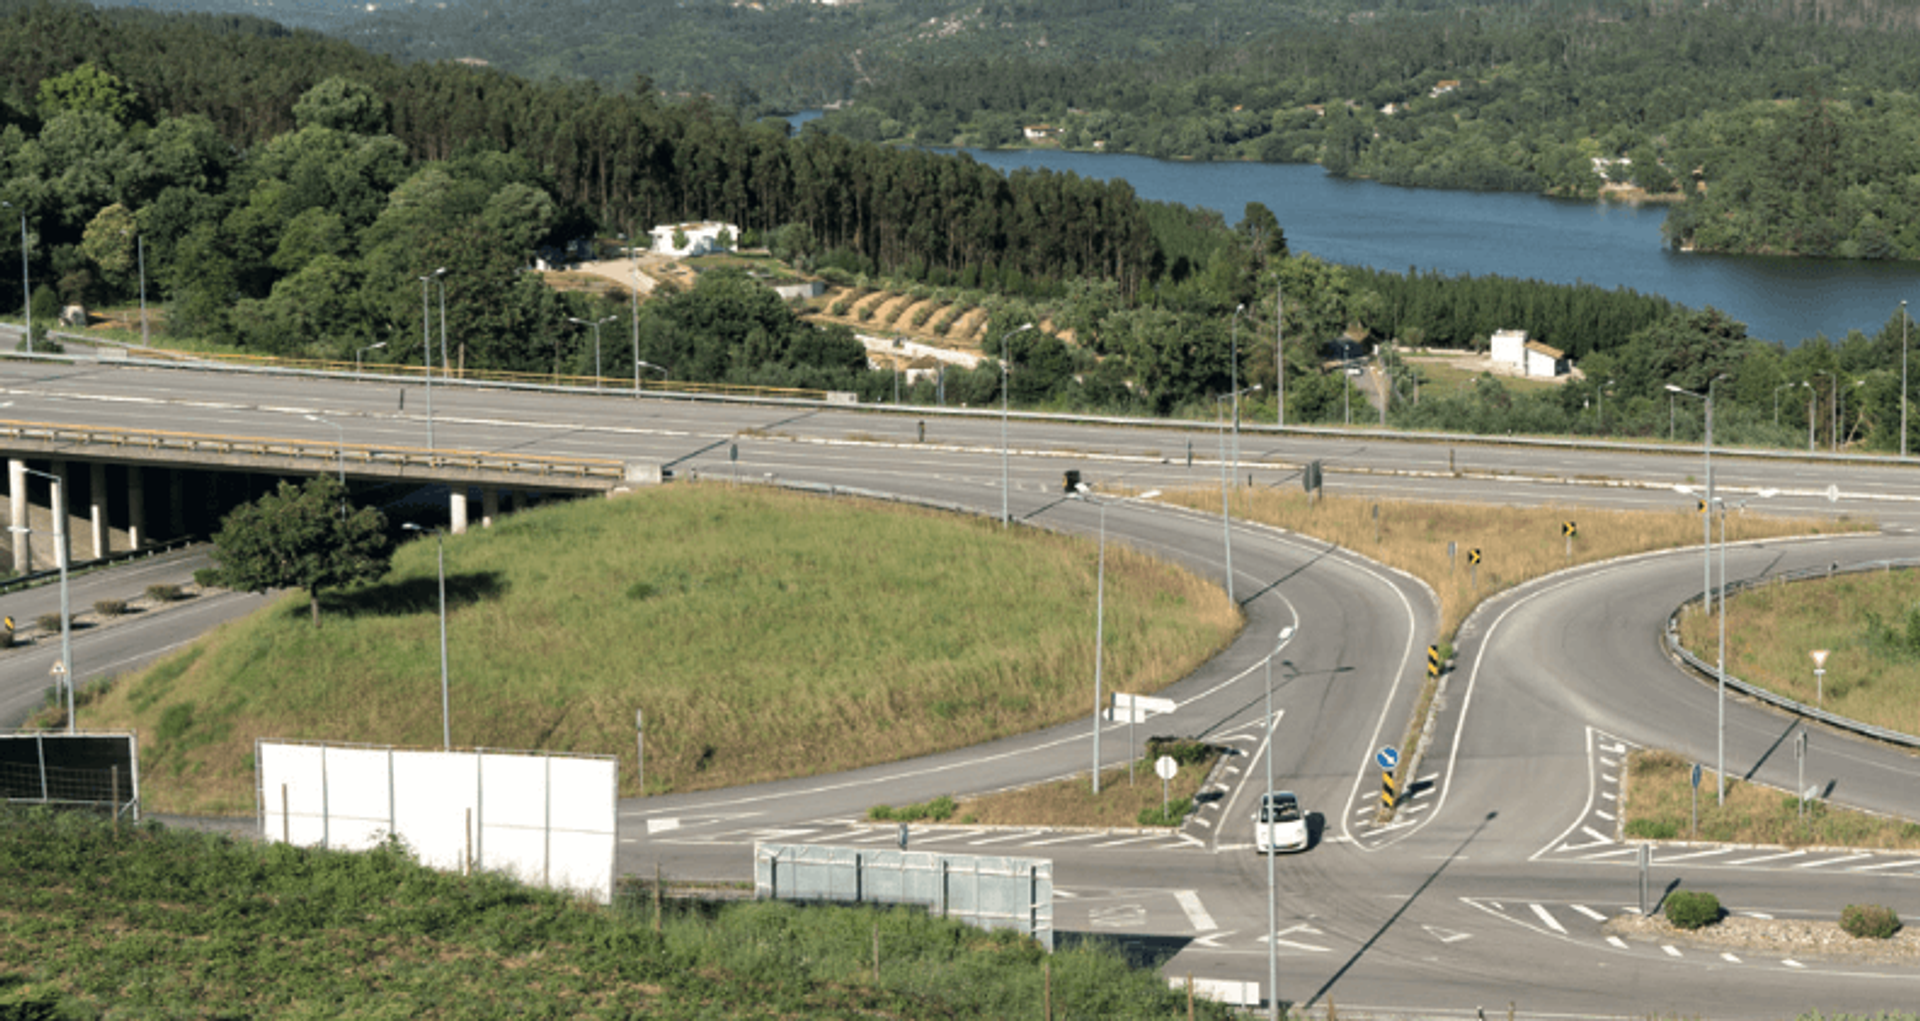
(702, 238)
(1524, 357)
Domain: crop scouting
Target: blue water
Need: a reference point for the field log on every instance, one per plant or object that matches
(1611, 245)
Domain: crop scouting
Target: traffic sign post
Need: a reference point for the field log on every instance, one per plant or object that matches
(1433, 661)
(1819, 677)
(1800, 761)
(1473, 567)
(1388, 758)
(1569, 529)
(1694, 833)
(1166, 768)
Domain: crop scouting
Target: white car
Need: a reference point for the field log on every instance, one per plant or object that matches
(1279, 825)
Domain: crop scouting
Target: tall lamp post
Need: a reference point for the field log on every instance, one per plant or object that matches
(426, 344)
(59, 505)
(1903, 377)
(26, 290)
(440, 539)
(596, 324)
(1100, 619)
(446, 363)
(339, 450)
(1776, 398)
(1226, 516)
(661, 369)
(1279, 359)
(1233, 384)
(1006, 364)
(140, 242)
(1706, 587)
(1273, 922)
(357, 354)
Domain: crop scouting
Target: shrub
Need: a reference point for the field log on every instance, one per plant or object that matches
(939, 809)
(1652, 829)
(1869, 921)
(1173, 815)
(1185, 751)
(109, 607)
(164, 593)
(1687, 909)
(47, 622)
(207, 577)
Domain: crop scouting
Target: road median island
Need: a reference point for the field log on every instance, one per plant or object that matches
(763, 634)
(1865, 622)
(1466, 554)
(1658, 805)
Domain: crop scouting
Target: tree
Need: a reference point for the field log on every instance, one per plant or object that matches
(305, 537)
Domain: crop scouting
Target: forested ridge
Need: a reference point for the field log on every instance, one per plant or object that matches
(284, 193)
(1786, 128)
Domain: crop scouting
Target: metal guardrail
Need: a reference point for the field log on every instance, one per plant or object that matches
(34, 578)
(1687, 658)
(331, 453)
(461, 375)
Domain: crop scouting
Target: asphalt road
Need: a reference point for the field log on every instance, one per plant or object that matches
(1488, 889)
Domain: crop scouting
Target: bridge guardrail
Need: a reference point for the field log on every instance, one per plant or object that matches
(418, 374)
(349, 453)
(1695, 663)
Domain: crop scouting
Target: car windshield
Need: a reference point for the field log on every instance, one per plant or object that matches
(1286, 810)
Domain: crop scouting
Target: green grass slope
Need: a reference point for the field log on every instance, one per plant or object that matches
(764, 634)
(154, 923)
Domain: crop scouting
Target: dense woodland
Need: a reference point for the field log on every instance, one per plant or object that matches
(1787, 128)
(287, 194)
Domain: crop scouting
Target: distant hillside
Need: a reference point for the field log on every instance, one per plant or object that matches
(330, 16)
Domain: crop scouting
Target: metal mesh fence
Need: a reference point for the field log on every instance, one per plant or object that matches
(69, 769)
(991, 892)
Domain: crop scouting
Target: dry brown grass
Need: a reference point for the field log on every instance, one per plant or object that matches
(1072, 802)
(1772, 631)
(889, 311)
(965, 329)
(1516, 543)
(872, 299)
(1658, 804)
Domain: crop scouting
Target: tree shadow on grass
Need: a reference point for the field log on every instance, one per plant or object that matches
(415, 595)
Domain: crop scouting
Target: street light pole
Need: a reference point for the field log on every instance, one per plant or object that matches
(1279, 355)
(1706, 587)
(26, 289)
(1273, 923)
(1226, 516)
(596, 324)
(362, 351)
(58, 498)
(1100, 621)
(340, 450)
(1903, 377)
(426, 346)
(1233, 383)
(446, 726)
(446, 364)
(1006, 363)
(140, 242)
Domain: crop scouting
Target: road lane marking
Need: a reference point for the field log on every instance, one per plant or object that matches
(1596, 834)
(1885, 865)
(1197, 916)
(662, 825)
(1002, 837)
(1791, 963)
(1589, 912)
(1132, 840)
(1831, 861)
(1672, 951)
(1768, 857)
(1729, 958)
(1664, 859)
(1617, 941)
(1597, 855)
(1547, 918)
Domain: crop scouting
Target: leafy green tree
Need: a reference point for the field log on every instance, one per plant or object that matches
(88, 88)
(303, 537)
(342, 104)
(110, 242)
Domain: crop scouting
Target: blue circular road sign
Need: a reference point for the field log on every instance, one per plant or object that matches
(1388, 758)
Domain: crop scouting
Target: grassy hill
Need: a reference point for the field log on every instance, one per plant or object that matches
(155, 923)
(765, 634)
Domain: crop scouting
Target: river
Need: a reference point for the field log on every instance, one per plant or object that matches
(1608, 244)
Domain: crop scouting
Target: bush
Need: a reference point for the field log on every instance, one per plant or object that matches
(1173, 815)
(207, 577)
(109, 607)
(1185, 751)
(1689, 910)
(48, 622)
(1869, 921)
(939, 809)
(1652, 829)
(164, 593)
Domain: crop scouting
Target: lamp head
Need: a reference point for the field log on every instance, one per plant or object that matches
(1285, 634)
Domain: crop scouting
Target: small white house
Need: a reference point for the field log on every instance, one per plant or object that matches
(701, 238)
(1544, 362)
(1524, 357)
(1510, 349)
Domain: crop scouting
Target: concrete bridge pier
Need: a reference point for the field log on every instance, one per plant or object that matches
(489, 506)
(97, 507)
(457, 510)
(17, 517)
(136, 508)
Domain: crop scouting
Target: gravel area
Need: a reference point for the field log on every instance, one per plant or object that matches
(1783, 937)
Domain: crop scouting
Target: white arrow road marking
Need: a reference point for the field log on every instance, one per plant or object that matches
(1212, 940)
(1446, 935)
(1293, 945)
(1121, 916)
(1189, 901)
